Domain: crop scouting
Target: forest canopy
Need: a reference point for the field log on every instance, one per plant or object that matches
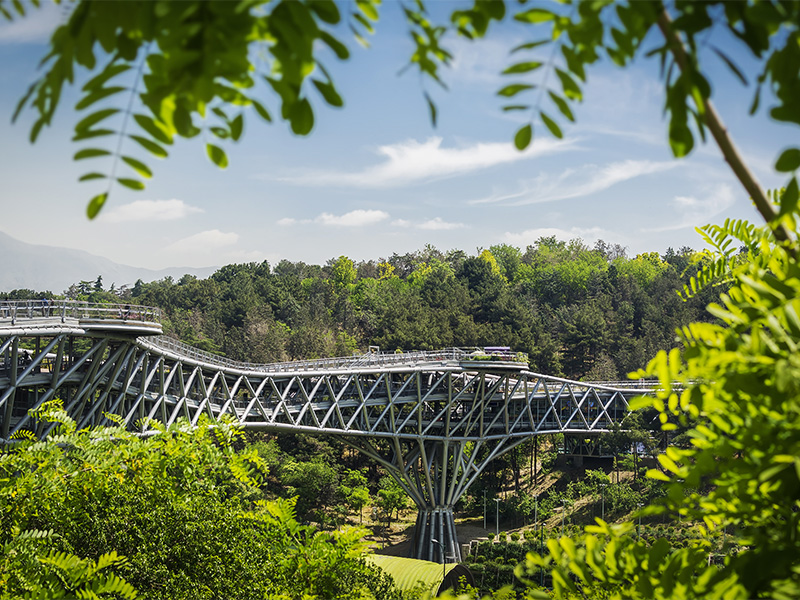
(578, 311)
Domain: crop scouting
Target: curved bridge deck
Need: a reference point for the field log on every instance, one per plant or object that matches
(434, 420)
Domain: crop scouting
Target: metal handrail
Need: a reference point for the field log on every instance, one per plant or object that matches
(48, 309)
(76, 309)
(369, 359)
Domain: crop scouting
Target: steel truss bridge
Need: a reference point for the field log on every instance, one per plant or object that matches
(434, 420)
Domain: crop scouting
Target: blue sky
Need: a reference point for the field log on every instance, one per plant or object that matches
(376, 178)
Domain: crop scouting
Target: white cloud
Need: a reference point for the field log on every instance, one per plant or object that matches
(36, 26)
(286, 222)
(150, 210)
(437, 224)
(401, 223)
(355, 218)
(574, 183)
(204, 242)
(412, 161)
(696, 212)
(529, 236)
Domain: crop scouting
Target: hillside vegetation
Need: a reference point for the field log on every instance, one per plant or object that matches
(581, 312)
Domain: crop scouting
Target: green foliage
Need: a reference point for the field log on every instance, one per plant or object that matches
(734, 387)
(185, 509)
(391, 497)
(190, 64)
(571, 308)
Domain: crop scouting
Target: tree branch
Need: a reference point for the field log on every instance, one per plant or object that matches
(729, 150)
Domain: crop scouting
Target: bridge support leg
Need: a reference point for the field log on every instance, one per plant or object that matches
(435, 536)
(435, 474)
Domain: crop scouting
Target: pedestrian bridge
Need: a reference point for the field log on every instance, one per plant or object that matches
(434, 420)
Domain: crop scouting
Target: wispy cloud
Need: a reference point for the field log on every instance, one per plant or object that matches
(411, 161)
(204, 242)
(355, 218)
(437, 224)
(150, 210)
(530, 236)
(697, 211)
(575, 183)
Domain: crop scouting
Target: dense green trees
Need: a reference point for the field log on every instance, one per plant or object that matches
(576, 311)
(185, 509)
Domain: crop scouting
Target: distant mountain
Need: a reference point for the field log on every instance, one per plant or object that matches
(50, 268)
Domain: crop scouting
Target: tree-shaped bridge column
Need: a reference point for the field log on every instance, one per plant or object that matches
(435, 473)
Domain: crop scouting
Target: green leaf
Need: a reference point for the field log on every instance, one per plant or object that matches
(95, 204)
(368, 8)
(551, 125)
(529, 45)
(133, 184)
(301, 117)
(523, 137)
(732, 66)
(90, 176)
(789, 198)
(562, 105)
(150, 146)
(138, 166)
(98, 95)
(535, 15)
(237, 126)
(153, 128)
(523, 67)
(95, 118)
(326, 10)
(262, 112)
(431, 109)
(788, 161)
(514, 89)
(328, 91)
(338, 47)
(220, 132)
(681, 140)
(88, 134)
(90, 153)
(112, 70)
(217, 155)
(571, 89)
(511, 107)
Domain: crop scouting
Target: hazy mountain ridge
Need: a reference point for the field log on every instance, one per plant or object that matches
(52, 268)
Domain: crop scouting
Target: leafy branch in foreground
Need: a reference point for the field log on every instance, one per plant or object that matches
(581, 32)
(736, 388)
(196, 74)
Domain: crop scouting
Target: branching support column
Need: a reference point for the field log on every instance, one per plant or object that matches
(435, 474)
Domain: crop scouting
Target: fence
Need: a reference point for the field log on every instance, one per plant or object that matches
(75, 309)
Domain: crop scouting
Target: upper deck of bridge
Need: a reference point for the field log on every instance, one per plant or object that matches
(26, 316)
(38, 317)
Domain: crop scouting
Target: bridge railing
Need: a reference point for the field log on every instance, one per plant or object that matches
(369, 359)
(15, 310)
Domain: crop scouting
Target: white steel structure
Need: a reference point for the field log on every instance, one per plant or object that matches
(434, 420)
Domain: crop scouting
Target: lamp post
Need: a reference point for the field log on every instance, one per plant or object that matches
(444, 568)
(563, 514)
(603, 496)
(535, 511)
(484, 509)
(497, 516)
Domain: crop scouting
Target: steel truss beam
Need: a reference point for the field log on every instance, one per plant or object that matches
(434, 425)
